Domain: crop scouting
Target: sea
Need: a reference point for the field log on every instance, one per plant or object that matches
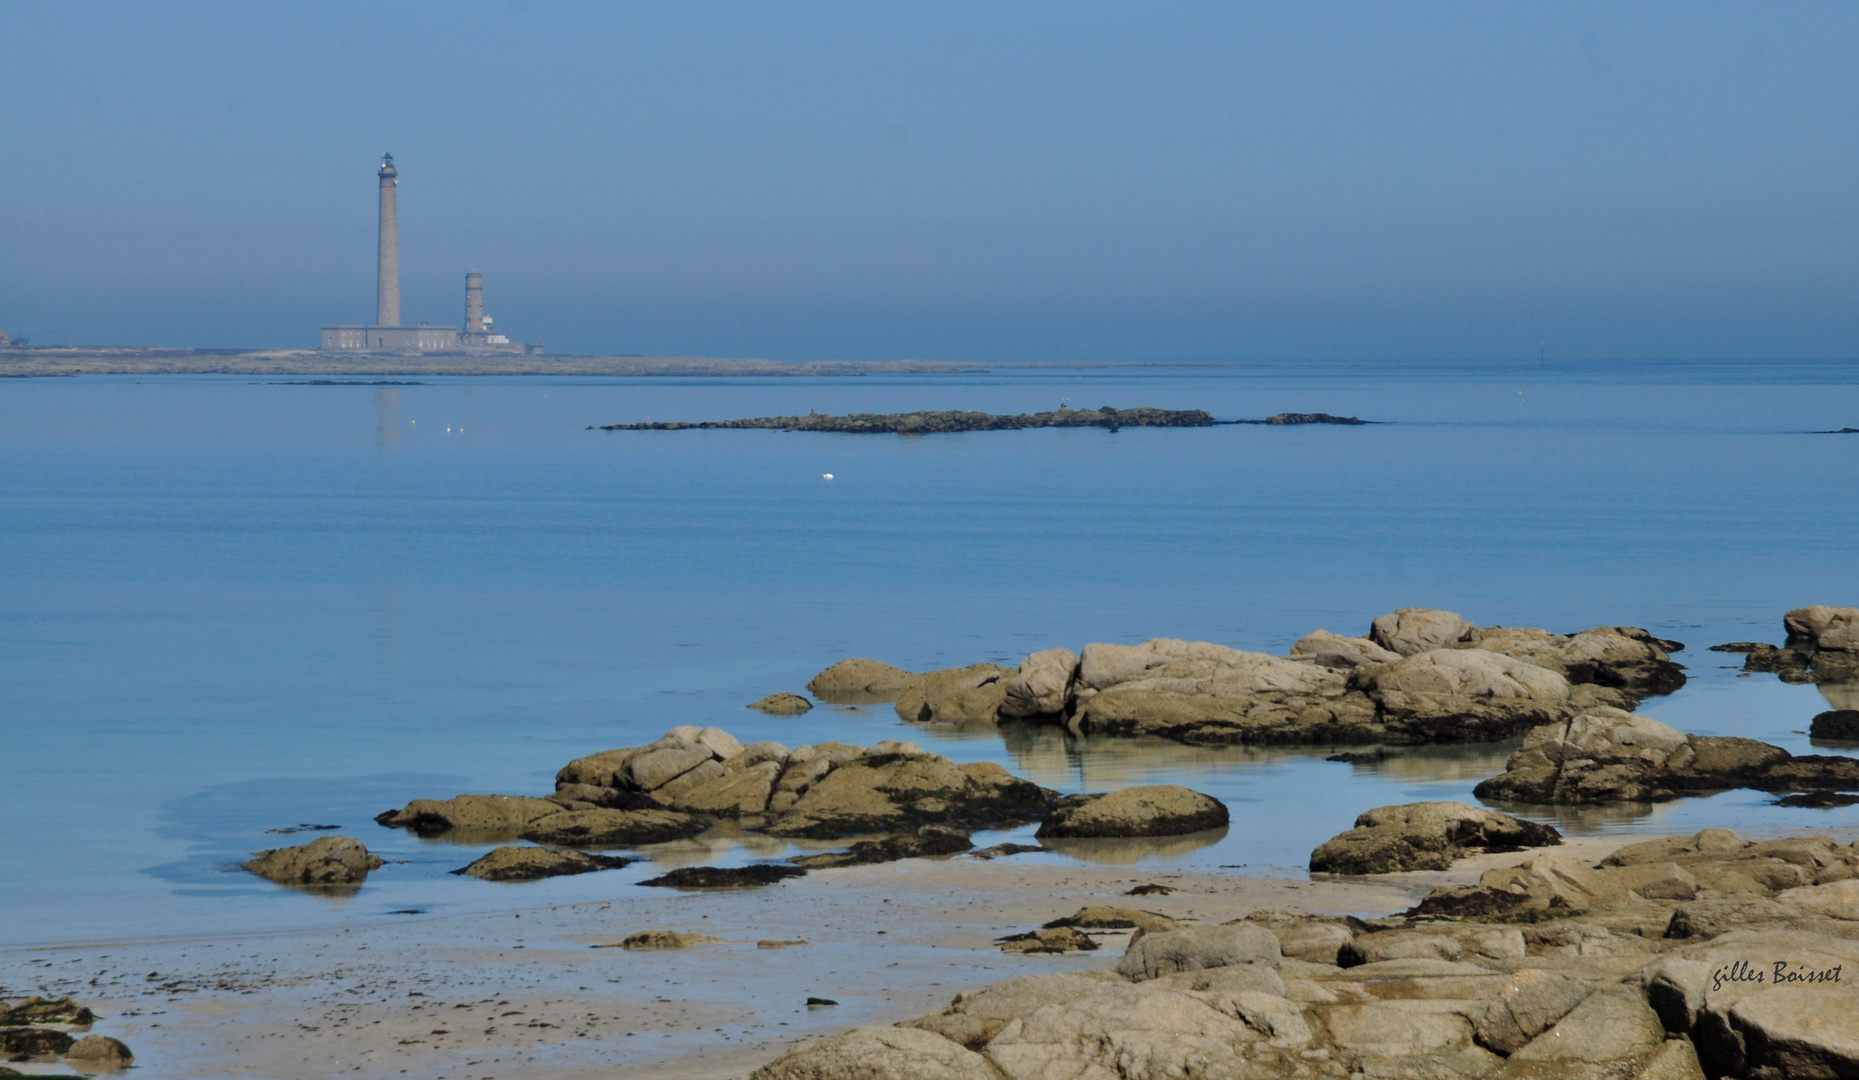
(235, 605)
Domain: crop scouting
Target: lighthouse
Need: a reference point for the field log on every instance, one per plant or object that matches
(387, 276)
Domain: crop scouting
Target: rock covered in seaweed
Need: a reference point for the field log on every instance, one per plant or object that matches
(520, 863)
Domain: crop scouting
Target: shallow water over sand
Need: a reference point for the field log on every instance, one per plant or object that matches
(228, 606)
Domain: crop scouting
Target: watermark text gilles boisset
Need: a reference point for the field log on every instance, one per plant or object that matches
(1742, 971)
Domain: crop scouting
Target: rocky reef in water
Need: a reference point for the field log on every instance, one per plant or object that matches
(917, 804)
(1822, 647)
(1418, 676)
(1678, 959)
(939, 422)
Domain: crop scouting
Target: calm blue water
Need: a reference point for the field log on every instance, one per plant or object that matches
(227, 606)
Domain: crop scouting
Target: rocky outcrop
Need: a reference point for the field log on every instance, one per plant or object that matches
(1424, 836)
(678, 785)
(1412, 631)
(1822, 646)
(330, 861)
(518, 863)
(1464, 695)
(1623, 657)
(1197, 692)
(966, 695)
(782, 704)
(1159, 810)
(1042, 686)
(898, 788)
(861, 682)
(1607, 755)
(1421, 676)
(1601, 991)
(1340, 653)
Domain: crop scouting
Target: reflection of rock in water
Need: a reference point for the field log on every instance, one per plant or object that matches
(1050, 756)
(725, 837)
(1134, 848)
(1840, 695)
(1462, 761)
(1592, 818)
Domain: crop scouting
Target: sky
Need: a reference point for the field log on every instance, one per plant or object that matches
(979, 182)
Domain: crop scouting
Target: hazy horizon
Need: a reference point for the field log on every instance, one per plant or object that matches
(962, 182)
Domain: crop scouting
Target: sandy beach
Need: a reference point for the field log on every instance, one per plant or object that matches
(525, 991)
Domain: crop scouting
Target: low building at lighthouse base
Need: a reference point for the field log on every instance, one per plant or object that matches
(420, 339)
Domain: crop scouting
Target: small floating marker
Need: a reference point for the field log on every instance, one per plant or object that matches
(826, 476)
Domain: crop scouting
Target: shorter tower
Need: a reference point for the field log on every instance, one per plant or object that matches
(474, 303)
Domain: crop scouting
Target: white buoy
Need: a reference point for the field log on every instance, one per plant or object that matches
(826, 476)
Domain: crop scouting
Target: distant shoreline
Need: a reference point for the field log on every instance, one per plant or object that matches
(53, 362)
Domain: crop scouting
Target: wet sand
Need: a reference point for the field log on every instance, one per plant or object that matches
(522, 992)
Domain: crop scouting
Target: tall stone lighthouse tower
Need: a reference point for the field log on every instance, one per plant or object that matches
(387, 285)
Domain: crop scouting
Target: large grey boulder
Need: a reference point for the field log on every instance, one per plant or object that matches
(878, 1053)
(965, 695)
(1424, 836)
(861, 682)
(1155, 955)
(1823, 628)
(1464, 695)
(1410, 631)
(329, 861)
(1042, 686)
(1157, 810)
